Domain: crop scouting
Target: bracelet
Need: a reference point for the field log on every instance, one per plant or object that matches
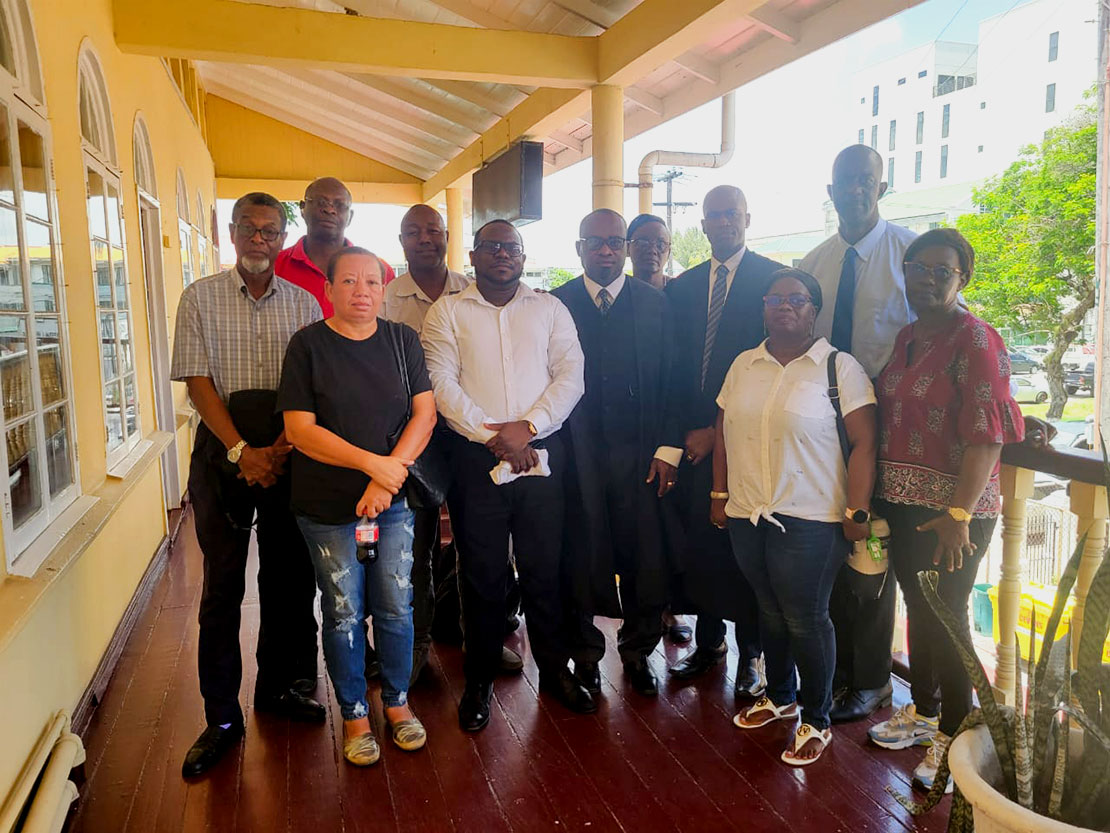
(718, 495)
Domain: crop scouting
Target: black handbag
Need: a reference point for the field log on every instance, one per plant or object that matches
(429, 477)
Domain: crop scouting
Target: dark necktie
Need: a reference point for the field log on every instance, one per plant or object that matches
(845, 303)
(604, 301)
(716, 307)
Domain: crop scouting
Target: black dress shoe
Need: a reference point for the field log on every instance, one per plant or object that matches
(698, 662)
(750, 680)
(419, 663)
(291, 704)
(512, 622)
(304, 686)
(679, 634)
(565, 688)
(641, 677)
(207, 750)
(589, 675)
(474, 706)
(860, 703)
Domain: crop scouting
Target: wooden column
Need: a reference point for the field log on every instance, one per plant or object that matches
(607, 110)
(455, 240)
(1088, 502)
(1017, 487)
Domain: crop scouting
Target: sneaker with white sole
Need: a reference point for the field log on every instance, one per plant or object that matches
(926, 772)
(904, 729)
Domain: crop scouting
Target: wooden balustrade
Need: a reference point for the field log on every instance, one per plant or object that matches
(1088, 500)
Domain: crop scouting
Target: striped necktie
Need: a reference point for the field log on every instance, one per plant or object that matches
(716, 307)
(604, 301)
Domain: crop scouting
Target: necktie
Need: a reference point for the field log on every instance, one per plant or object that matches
(845, 303)
(604, 301)
(716, 307)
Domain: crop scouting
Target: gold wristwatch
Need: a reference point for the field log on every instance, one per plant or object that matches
(531, 428)
(236, 451)
(959, 515)
(718, 495)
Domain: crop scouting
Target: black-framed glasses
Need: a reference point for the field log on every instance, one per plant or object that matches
(795, 299)
(339, 206)
(492, 247)
(941, 273)
(594, 243)
(247, 231)
(647, 243)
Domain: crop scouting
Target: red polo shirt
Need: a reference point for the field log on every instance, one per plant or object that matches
(295, 266)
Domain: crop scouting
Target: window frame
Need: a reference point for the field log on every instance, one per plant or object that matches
(944, 161)
(917, 167)
(1053, 46)
(1050, 98)
(945, 121)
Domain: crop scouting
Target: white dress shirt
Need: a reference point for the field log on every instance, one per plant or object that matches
(732, 264)
(881, 308)
(406, 303)
(667, 453)
(521, 361)
(781, 442)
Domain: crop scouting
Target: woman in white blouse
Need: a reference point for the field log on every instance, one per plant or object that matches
(790, 503)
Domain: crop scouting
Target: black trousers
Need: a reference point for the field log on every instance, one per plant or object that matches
(642, 624)
(862, 611)
(425, 553)
(933, 658)
(483, 516)
(224, 507)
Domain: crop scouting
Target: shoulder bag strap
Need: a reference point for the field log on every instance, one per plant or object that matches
(397, 340)
(834, 398)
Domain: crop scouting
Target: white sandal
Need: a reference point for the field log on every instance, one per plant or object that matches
(806, 733)
(763, 704)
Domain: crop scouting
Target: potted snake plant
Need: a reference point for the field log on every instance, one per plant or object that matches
(1043, 765)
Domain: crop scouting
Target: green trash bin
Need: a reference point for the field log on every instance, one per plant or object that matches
(982, 611)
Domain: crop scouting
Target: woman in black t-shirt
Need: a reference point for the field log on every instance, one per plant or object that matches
(346, 408)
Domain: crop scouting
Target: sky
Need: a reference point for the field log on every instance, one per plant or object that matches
(782, 161)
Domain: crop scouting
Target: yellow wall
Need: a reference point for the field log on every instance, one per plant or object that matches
(55, 627)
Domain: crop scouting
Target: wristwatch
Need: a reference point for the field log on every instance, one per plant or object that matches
(718, 495)
(531, 428)
(959, 515)
(236, 451)
(857, 516)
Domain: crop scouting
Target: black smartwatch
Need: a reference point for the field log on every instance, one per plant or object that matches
(857, 516)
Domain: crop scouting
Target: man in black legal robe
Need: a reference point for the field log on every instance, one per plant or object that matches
(718, 309)
(620, 464)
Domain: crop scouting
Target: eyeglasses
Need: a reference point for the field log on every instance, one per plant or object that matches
(646, 243)
(323, 203)
(416, 232)
(795, 299)
(941, 274)
(492, 247)
(594, 243)
(247, 232)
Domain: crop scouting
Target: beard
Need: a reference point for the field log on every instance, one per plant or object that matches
(254, 264)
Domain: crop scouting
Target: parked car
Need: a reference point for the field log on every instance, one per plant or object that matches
(1029, 389)
(1080, 380)
(1037, 351)
(1077, 355)
(1021, 363)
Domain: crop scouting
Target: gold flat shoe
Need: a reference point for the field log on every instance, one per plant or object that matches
(362, 750)
(409, 734)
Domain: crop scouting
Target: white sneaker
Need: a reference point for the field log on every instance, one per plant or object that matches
(926, 772)
(904, 729)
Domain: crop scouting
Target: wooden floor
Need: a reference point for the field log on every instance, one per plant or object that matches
(673, 763)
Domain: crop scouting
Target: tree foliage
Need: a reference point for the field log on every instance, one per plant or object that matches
(556, 277)
(292, 212)
(1034, 241)
(689, 247)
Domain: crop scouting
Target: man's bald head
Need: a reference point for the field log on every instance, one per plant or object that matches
(599, 215)
(859, 156)
(725, 220)
(326, 185)
(424, 239)
(602, 245)
(857, 185)
(326, 209)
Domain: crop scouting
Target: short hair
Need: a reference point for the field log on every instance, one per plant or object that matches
(333, 261)
(643, 220)
(258, 198)
(500, 221)
(949, 238)
(595, 212)
(807, 280)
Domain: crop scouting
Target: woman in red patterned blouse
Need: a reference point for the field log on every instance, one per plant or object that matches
(945, 410)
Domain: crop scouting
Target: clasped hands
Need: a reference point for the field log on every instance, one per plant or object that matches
(263, 466)
(511, 444)
(387, 476)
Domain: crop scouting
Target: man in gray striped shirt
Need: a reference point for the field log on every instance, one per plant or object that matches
(232, 331)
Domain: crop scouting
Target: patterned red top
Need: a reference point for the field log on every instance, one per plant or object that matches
(955, 394)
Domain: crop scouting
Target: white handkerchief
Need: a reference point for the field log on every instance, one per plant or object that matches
(503, 473)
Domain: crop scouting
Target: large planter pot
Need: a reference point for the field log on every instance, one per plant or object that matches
(975, 770)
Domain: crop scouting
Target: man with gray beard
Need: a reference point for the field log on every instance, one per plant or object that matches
(232, 331)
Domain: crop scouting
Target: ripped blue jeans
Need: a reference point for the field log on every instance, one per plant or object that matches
(350, 591)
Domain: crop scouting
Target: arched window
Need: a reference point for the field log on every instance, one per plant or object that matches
(38, 419)
(144, 159)
(204, 249)
(185, 232)
(122, 428)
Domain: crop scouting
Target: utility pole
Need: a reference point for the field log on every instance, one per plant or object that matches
(669, 177)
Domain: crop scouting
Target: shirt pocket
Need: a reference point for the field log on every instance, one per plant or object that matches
(809, 400)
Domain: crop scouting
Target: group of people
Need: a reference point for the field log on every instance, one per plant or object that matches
(631, 446)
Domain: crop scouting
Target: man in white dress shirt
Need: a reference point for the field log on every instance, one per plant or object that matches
(507, 371)
(860, 272)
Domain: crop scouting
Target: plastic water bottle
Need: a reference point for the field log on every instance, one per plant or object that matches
(366, 540)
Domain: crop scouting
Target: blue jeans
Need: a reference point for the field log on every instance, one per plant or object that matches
(792, 573)
(350, 590)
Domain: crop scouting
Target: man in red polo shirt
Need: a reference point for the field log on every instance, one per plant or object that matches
(326, 209)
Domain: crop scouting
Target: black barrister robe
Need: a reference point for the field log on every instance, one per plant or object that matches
(591, 565)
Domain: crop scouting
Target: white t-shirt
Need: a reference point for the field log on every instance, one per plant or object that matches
(781, 442)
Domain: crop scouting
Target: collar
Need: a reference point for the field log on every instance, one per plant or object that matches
(406, 286)
(298, 253)
(523, 293)
(818, 353)
(237, 277)
(867, 243)
(733, 263)
(594, 288)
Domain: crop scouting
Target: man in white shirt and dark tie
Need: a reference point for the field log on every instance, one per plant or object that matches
(860, 272)
(507, 370)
